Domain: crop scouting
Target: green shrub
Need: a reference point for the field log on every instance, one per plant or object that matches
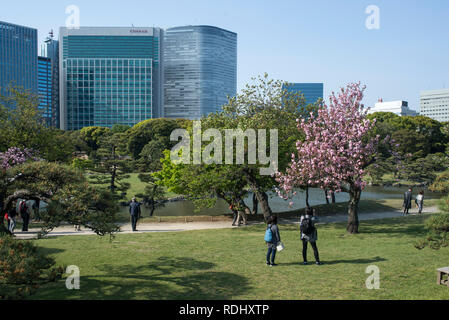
(438, 232)
(23, 269)
(444, 204)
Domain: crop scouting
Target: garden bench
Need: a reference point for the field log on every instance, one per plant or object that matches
(441, 272)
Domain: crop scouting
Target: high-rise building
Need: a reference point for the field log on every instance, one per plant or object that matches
(45, 89)
(435, 104)
(53, 54)
(399, 108)
(18, 57)
(200, 70)
(109, 75)
(311, 91)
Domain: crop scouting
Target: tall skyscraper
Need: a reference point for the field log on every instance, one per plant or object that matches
(53, 55)
(45, 89)
(312, 91)
(109, 75)
(435, 104)
(18, 57)
(200, 70)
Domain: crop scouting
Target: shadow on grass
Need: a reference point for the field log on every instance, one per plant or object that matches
(395, 227)
(342, 261)
(165, 278)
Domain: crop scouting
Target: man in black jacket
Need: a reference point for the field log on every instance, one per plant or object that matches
(134, 211)
(407, 200)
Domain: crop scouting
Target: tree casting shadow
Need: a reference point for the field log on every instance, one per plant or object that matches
(165, 278)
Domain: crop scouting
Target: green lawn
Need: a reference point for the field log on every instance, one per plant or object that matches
(230, 264)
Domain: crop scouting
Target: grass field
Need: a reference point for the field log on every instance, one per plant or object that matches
(230, 264)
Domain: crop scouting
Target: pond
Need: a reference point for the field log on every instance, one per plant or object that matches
(316, 197)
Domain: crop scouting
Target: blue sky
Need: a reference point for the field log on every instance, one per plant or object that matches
(293, 40)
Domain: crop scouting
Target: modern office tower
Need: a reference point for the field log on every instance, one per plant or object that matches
(44, 73)
(312, 91)
(109, 75)
(18, 57)
(200, 70)
(53, 54)
(435, 104)
(397, 107)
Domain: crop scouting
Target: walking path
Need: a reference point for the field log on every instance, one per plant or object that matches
(170, 227)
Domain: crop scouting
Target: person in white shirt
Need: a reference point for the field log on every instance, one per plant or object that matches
(420, 201)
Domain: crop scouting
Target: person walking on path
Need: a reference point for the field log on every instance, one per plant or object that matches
(134, 211)
(276, 238)
(23, 209)
(420, 201)
(12, 217)
(6, 218)
(234, 214)
(309, 233)
(407, 200)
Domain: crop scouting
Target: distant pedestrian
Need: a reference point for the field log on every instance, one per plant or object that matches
(309, 233)
(12, 213)
(6, 218)
(420, 201)
(134, 211)
(35, 208)
(234, 214)
(407, 205)
(275, 239)
(24, 213)
(242, 209)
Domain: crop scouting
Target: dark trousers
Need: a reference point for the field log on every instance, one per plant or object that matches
(134, 219)
(406, 210)
(235, 215)
(271, 252)
(26, 221)
(304, 250)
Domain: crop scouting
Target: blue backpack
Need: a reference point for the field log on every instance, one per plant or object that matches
(268, 234)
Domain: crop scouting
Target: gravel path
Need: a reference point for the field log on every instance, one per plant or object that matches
(170, 227)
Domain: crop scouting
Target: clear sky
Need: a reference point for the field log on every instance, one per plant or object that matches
(293, 40)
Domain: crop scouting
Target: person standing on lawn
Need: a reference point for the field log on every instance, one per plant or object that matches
(420, 201)
(309, 233)
(276, 238)
(12, 217)
(23, 209)
(407, 205)
(134, 211)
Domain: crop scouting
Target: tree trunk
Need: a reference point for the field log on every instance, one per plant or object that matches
(325, 196)
(307, 198)
(333, 196)
(261, 195)
(151, 207)
(255, 204)
(353, 209)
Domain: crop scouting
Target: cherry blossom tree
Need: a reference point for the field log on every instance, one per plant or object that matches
(335, 151)
(15, 156)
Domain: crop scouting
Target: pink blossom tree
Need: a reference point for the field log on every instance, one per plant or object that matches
(335, 152)
(15, 156)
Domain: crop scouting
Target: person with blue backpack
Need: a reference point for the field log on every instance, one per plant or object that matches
(272, 238)
(309, 234)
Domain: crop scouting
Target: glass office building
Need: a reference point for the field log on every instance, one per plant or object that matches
(200, 70)
(109, 75)
(312, 91)
(18, 57)
(53, 55)
(44, 75)
(435, 104)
